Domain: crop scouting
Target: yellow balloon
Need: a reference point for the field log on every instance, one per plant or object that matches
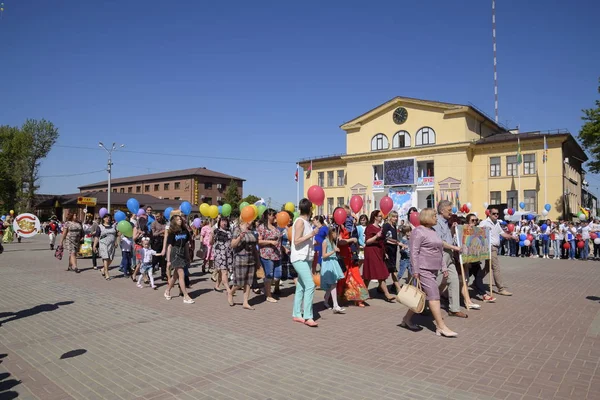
(289, 206)
(204, 209)
(255, 211)
(12, 212)
(213, 211)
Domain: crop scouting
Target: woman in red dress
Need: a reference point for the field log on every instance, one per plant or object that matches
(374, 267)
(351, 287)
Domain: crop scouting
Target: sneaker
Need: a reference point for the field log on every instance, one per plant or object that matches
(188, 301)
(339, 310)
(489, 299)
(140, 286)
(505, 292)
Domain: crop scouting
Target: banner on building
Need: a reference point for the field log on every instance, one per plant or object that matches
(403, 197)
(474, 243)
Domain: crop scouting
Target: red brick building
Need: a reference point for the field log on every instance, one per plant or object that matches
(196, 185)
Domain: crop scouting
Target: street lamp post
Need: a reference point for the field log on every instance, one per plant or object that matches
(109, 168)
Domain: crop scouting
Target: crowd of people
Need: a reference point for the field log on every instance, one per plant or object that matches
(341, 258)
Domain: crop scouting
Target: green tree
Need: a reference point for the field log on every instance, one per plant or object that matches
(590, 135)
(231, 195)
(250, 199)
(42, 135)
(13, 151)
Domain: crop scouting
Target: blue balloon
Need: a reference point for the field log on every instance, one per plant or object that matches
(167, 212)
(4, 218)
(544, 227)
(133, 206)
(547, 207)
(523, 236)
(220, 209)
(120, 216)
(186, 208)
(150, 221)
(522, 205)
(530, 217)
(454, 210)
(521, 243)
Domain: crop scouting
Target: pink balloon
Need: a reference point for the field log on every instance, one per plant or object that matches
(386, 204)
(339, 216)
(316, 195)
(414, 219)
(356, 203)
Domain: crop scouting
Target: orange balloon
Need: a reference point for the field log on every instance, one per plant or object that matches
(247, 214)
(255, 209)
(283, 219)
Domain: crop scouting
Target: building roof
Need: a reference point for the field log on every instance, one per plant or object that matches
(202, 171)
(432, 103)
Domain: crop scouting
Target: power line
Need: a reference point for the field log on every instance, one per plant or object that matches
(66, 176)
(183, 155)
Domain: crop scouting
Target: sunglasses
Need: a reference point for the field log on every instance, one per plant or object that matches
(473, 220)
(494, 213)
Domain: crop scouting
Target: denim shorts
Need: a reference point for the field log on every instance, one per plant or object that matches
(272, 268)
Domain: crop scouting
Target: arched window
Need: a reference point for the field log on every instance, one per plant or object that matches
(401, 139)
(379, 142)
(425, 135)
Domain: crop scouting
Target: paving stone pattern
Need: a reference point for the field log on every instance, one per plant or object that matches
(131, 343)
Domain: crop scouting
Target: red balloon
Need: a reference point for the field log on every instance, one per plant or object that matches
(414, 218)
(356, 203)
(386, 204)
(593, 236)
(511, 211)
(339, 216)
(487, 212)
(581, 244)
(566, 246)
(316, 195)
(510, 227)
(530, 237)
(578, 237)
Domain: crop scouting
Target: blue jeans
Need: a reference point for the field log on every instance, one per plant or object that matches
(556, 246)
(585, 252)
(572, 249)
(272, 268)
(125, 262)
(404, 265)
(305, 290)
(545, 247)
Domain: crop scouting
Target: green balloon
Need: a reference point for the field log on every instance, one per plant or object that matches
(261, 210)
(125, 228)
(244, 204)
(296, 214)
(226, 210)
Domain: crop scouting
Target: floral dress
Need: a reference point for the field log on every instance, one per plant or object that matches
(222, 249)
(205, 234)
(74, 235)
(106, 243)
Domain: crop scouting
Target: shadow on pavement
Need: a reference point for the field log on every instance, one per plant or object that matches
(33, 311)
(72, 353)
(593, 298)
(7, 384)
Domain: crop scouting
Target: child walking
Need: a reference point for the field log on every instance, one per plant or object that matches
(146, 256)
(125, 245)
(331, 272)
(404, 252)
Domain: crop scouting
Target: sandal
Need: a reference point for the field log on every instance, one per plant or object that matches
(390, 299)
(249, 308)
(77, 270)
(297, 319)
(168, 297)
(310, 323)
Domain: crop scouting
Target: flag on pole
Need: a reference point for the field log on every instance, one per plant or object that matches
(519, 156)
(545, 156)
(296, 174)
(457, 201)
(309, 170)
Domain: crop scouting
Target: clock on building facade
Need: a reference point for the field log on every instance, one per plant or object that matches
(400, 115)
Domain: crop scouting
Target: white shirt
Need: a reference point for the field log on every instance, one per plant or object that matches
(125, 243)
(304, 251)
(495, 230)
(147, 255)
(585, 232)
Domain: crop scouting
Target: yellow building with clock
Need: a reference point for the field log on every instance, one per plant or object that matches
(420, 151)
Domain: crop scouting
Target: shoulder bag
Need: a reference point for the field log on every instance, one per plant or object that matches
(412, 296)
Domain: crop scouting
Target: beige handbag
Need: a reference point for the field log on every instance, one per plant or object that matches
(412, 296)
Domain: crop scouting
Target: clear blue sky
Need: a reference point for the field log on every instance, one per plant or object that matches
(247, 79)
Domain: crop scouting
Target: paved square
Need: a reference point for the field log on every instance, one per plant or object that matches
(77, 336)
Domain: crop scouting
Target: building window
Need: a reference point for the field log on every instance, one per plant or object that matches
(177, 198)
(146, 188)
(530, 200)
(208, 200)
(321, 179)
(166, 186)
(528, 164)
(130, 189)
(329, 205)
(207, 185)
(138, 189)
(329, 178)
(122, 190)
(340, 177)
(401, 139)
(320, 210)
(512, 199)
(340, 202)
(156, 188)
(511, 165)
(377, 172)
(425, 136)
(495, 198)
(379, 142)
(495, 167)
(114, 190)
(177, 186)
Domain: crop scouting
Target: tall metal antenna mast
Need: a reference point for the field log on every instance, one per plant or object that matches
(495, 62)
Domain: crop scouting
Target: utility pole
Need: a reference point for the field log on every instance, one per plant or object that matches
(109, 168)
(269, 202)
